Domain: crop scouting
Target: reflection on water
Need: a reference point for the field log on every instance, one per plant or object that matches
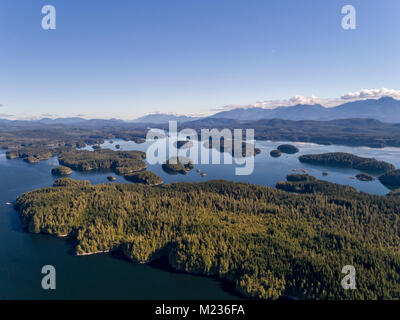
(268, 170)
(105, 276)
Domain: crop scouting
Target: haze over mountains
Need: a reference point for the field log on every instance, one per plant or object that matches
(385, 109)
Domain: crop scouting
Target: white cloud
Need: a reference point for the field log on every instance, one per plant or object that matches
(372, 94)
(363, 94)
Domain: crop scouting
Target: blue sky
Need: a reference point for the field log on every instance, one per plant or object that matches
(127, 58)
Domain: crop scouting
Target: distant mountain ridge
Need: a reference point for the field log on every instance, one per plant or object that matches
(163, 118)
(384, 109)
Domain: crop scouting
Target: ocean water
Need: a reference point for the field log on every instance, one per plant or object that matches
(110, 276)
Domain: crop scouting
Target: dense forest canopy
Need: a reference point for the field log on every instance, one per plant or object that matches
(353, 132)
(347, 160)
(288, 148)
(61, 171)
(270, 243)
(145, 177)
(178, 165)
(123, 162)
(391, 178)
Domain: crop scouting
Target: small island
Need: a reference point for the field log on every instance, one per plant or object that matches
(183, 144)
(145, 177)
(347, 160)
(111, 178)
(362, 176)
(117, 146)
(275, 153)
(391, 178)
(178, 165)
(138, 140)
(61, 171)
(288, 148)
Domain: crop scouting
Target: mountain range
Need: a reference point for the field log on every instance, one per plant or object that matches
(385, 109)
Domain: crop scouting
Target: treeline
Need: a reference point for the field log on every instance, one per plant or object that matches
(347, 160)
(351, 132)
(35, 154)
(50, 136)
(123, 162)
(145, 177)
(304, 183)
(270, 243)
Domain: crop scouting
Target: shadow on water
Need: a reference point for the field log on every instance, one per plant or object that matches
(227, 286)
(162, 264)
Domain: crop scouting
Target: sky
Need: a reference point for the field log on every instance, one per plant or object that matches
(127, 58)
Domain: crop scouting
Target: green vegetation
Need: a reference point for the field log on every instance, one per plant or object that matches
(145, 177)
(270, 243)
(347, 160)
(300, 177)
(351, 132)
(312, 186)
(122, 162)
(288, 148)
(61, 171)
(31, 154)
(275, 153)
(68, 182)
(177, 165)
(391, 178)
(362, 176)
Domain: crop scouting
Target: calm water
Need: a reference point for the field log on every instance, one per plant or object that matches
(107, 276)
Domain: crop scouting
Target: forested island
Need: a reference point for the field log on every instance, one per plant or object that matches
(61, 171)
(362, 176)
(275, 153)
(178, 165)
(391, 178)
(304, 183)
(268, 242)
(347, 160)
(145, 177)
(288, 148)
(34, 154)
(122, 162)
